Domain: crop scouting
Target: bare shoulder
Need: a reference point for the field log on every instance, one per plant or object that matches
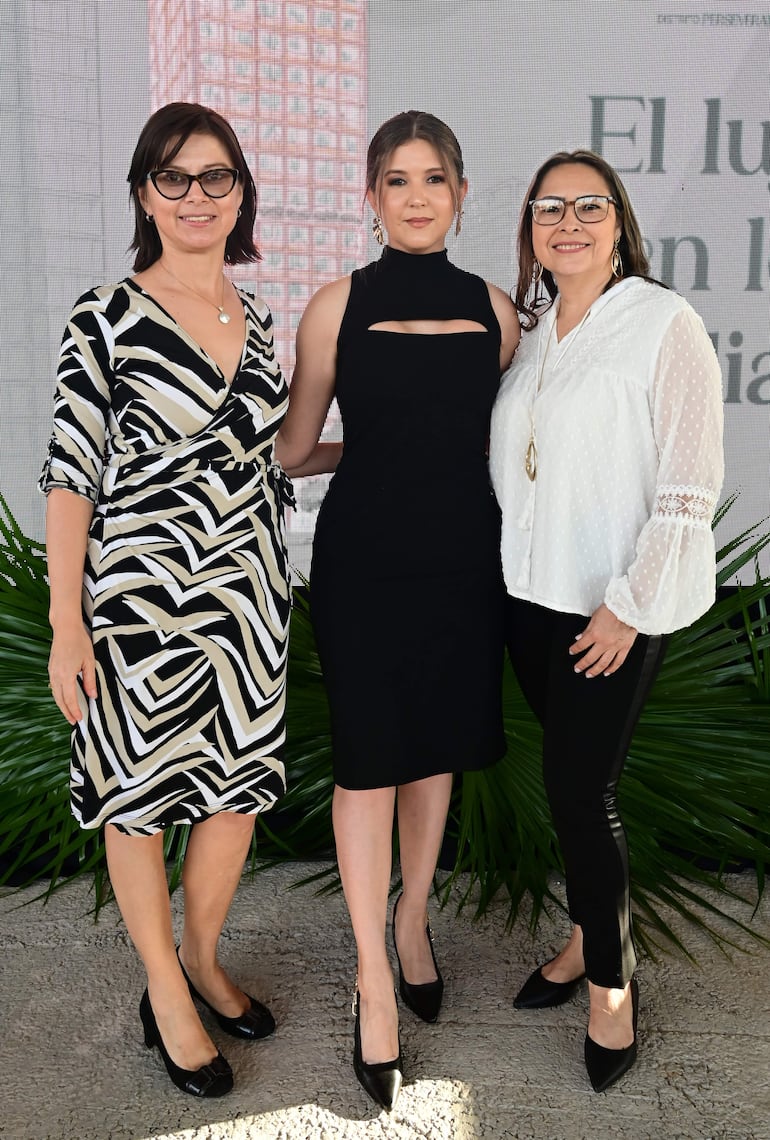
(318, 331)
(508, 318)
(327, 306)
(502, 304)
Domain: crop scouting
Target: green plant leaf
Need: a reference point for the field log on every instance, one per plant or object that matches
(695, 794)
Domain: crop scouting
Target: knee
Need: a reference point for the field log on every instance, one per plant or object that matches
(580, 804)
(234, 823)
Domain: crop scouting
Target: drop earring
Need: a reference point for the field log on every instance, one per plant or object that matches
(459, 221)
(616, 262)
(377, 230)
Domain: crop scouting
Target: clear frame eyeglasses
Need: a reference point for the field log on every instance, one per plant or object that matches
(588, 208)
(215, 183)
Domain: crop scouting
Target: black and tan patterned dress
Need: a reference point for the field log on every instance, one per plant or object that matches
(186, 585)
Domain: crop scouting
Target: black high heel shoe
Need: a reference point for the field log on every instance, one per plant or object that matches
(605, 1066)
(423, 999)
(382, 1080)
(214, 1079)
(254, 1023)
(540, 993)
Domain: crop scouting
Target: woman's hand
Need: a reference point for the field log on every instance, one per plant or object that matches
(604, 644)
(72, 653)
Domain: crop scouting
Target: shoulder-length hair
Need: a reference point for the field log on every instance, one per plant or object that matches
(163, 136)
(535, 298)
(404, 127)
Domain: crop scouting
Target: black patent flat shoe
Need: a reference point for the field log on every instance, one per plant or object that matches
(425, 999)
(214, 1079)
(605, 1066)
(381, 1081)
(538, 993)
(254, 1023)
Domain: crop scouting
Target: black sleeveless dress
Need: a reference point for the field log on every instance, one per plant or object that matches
(406, 590)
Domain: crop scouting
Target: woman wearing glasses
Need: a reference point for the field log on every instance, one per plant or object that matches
(606, 457)
(168, 573)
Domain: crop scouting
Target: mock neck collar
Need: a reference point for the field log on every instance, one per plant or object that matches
(398, 261)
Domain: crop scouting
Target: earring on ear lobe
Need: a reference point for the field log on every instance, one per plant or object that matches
(377, 230)
(148, 217)
(537, 272)
(459, 221)
(616, 262)
(240, 211)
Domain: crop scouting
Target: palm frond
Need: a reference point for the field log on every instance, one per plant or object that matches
(38, 836)
(695, 793)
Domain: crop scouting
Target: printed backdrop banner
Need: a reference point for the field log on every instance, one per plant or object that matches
(673, 95)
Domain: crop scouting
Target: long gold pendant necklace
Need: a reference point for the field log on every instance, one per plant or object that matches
(223, 318)
(530, 456)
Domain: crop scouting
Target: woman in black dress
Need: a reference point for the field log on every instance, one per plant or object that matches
(405, 581)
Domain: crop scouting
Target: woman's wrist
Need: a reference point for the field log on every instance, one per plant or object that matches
(66, 619)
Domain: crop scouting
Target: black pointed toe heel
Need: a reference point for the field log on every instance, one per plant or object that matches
(605, 1066)
(254, 1023)
(425, 999)
(381, 1081)
(538, 993)
(214, 1079)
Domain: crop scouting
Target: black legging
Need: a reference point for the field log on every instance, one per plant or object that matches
(587, 728)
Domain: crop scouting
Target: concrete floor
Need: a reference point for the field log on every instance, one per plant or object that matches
(73, 1065)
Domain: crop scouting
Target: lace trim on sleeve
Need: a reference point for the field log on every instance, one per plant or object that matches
(693, 506)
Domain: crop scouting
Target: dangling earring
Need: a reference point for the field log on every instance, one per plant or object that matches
(616, 262)
(377, 230)
(459, 221)
(537, 272)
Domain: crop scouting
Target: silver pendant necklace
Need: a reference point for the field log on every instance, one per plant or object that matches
(223, 318)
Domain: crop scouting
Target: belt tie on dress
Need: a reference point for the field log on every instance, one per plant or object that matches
(134, 462)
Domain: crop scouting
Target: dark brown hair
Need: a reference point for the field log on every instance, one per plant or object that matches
(530, 300)
(404, 127)
(163, 136)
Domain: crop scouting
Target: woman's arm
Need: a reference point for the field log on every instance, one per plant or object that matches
(71, 478)
(312, 385)
(323, 460)
(671, 580)
(508, 319)
(68, 517)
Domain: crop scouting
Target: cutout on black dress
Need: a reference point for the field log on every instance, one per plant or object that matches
(428, 328)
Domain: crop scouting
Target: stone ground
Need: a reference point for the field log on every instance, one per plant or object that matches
(73, 1065)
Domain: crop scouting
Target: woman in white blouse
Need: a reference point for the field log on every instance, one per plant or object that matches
(606, 458)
